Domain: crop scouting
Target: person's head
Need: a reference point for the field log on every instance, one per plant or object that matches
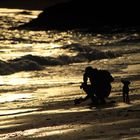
(89, 70)
(125, 82)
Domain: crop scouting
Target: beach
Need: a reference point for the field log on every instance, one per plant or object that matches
(38, 104)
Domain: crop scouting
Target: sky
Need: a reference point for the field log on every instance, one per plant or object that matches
(28, 4)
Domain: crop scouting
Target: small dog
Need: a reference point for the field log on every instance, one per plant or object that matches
(125, 90)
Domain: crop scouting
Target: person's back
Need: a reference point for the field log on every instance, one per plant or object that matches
(99, 76)
(102, 83)
(103, 76)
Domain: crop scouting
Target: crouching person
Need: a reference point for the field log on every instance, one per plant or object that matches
(99, 86)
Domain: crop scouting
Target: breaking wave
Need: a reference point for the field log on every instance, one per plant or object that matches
(83, 54)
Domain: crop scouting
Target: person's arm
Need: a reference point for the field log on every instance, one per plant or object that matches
(85, 78)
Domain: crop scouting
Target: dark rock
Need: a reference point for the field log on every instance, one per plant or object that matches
(87, 14)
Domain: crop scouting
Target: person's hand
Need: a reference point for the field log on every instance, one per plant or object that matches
(82, 85)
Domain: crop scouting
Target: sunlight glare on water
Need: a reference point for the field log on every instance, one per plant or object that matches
(12, 97)
(15, 79)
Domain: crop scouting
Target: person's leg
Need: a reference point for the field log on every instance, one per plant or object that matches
(127, 98)
(101, 93)
(87, 89)
(124, 97)
(107, 90)
(90, 93)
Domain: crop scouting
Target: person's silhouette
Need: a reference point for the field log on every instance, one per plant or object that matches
(125, 90)
(99, 87)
